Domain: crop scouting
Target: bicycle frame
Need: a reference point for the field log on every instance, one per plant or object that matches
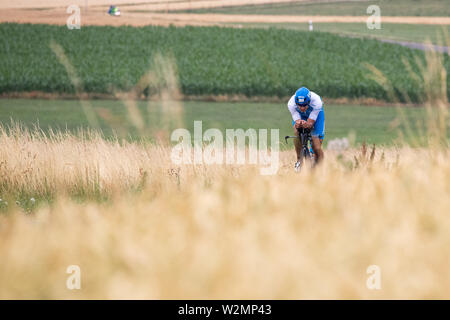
(305, 137)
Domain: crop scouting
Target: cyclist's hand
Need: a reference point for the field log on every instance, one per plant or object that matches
(309, 124)
(299, 124)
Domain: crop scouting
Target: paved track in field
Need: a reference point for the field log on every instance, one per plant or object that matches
(418, 45)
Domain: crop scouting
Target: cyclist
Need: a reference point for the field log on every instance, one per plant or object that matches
(307, 112)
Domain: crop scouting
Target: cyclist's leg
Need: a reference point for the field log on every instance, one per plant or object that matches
(317, 135)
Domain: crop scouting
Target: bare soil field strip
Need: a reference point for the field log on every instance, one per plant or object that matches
(205, 4)
(152, 4)
(31, 4)
(98, 16)
(92, 18)
(294, 19)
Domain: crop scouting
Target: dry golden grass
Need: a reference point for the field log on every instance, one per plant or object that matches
(222, 231)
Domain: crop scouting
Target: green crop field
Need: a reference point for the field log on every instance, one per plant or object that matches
(393, 31)
(370, 124)
(210, 61)
(439, 8)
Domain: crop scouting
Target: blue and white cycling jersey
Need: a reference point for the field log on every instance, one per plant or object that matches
(314, 112)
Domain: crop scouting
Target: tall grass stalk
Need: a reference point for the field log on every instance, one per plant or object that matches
(430, 74)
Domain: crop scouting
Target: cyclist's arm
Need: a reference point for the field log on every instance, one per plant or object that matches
(292, 109)
(295, 115)
(316, 104)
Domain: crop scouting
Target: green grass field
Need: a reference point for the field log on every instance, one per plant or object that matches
(394, 31)
(439, 8)
(370, 124)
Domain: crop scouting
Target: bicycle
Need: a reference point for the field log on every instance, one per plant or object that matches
(305, 138)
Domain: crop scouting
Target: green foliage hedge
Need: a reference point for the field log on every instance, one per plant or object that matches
(210, 60)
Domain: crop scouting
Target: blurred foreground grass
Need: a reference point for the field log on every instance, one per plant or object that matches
(222, 231)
